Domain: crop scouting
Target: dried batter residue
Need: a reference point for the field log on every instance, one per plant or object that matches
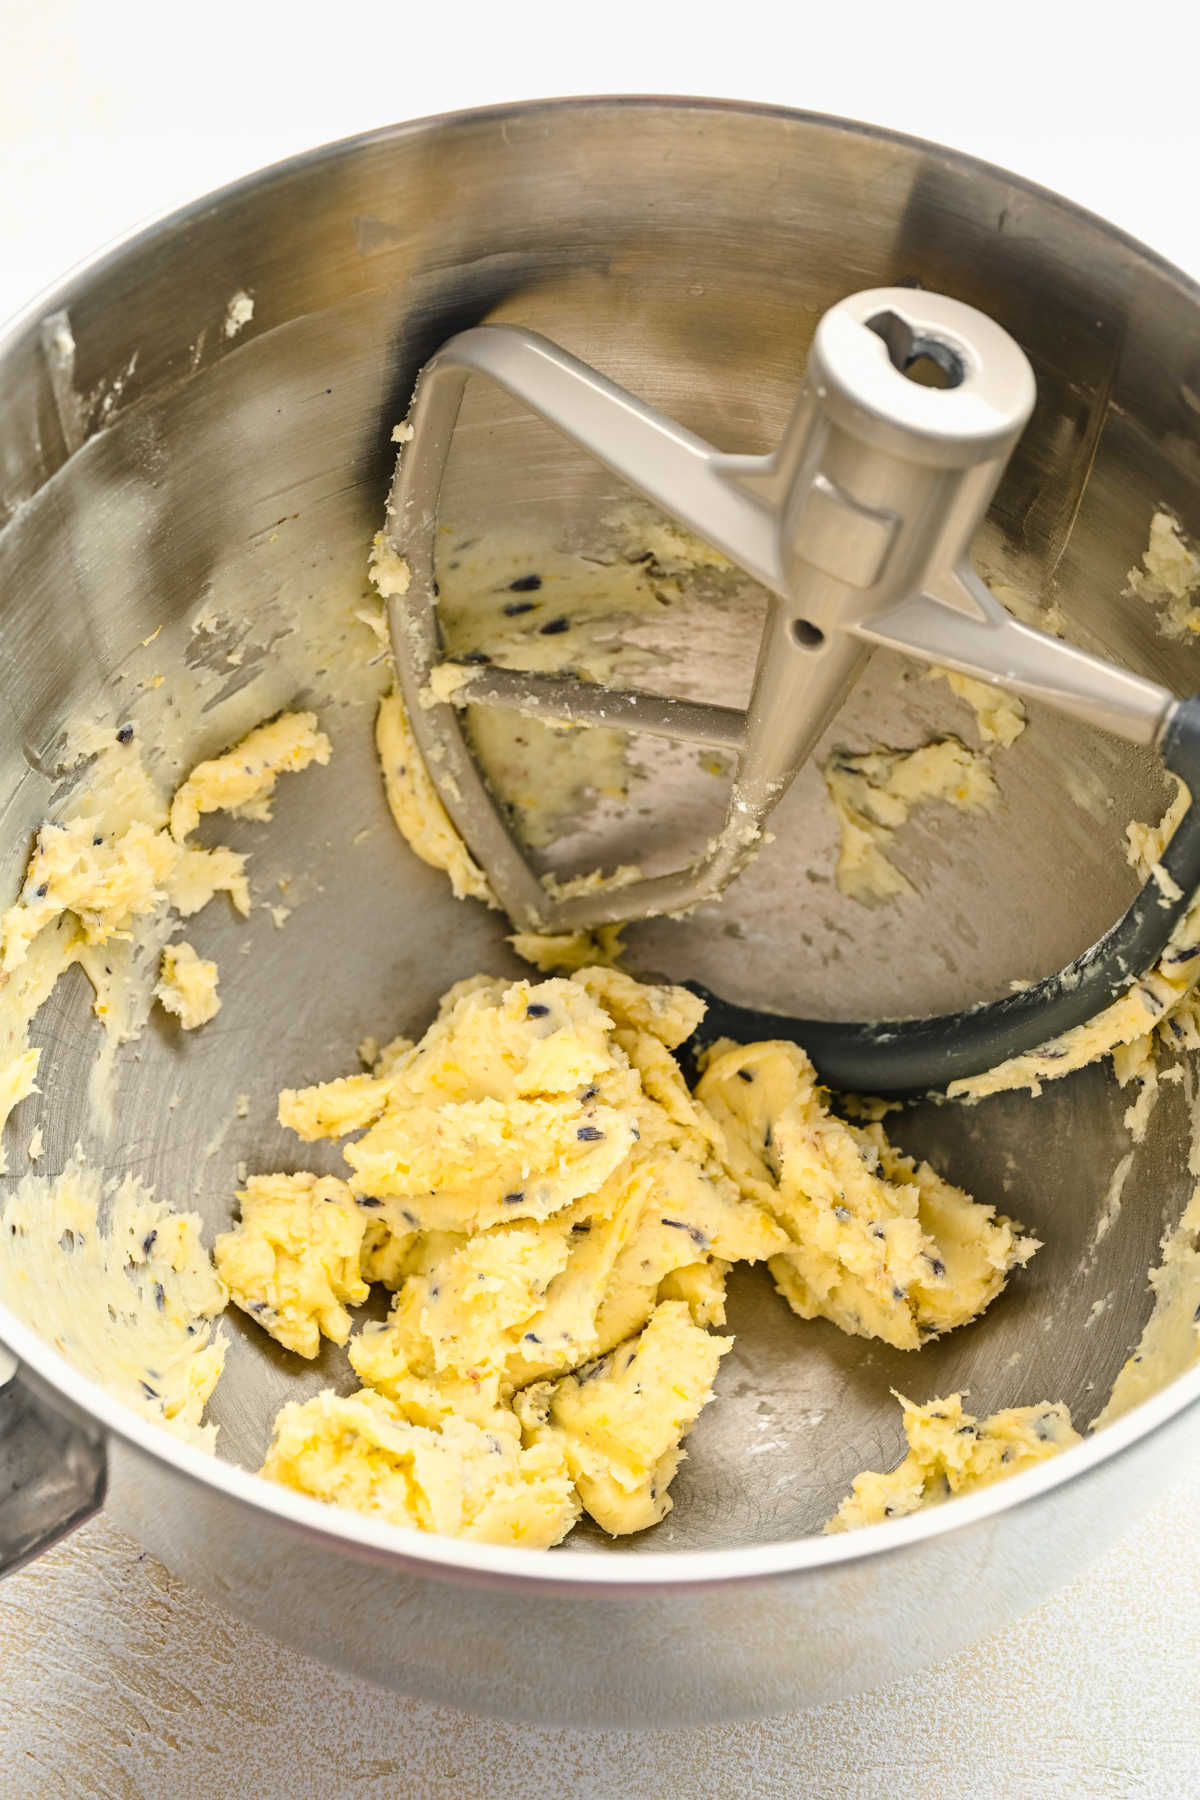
(950, 1452)
(1169, 578)
(122, 1286)
(874, 793)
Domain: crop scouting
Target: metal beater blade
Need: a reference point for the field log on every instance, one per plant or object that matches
(859, 525)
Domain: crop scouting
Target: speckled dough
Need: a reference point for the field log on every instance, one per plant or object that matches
(538, 1186)
(451, 1476)
(243, 780)
(293, 1261)
(622, 1454)
(557, 1216)
(949, 1452)
(878, 1244)
(122, 1286)
(106, 883)
(873, 794)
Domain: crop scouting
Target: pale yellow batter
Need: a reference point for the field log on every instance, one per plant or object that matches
(450, 1475)
(878, 1244)
(623, 1455)
(106, 883)
(1169, 578)
(874, 793)
(557, 1216)
(554, 1212)
(949, 1452)
(999, 716)
(187, 986)
(122, 1286)
(293, 1261)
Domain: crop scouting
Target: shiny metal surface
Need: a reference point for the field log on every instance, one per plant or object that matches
(687, 248)
(859, 523)
(53, 1468)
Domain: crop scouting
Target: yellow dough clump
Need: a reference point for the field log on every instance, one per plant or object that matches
(557, 1215)
(334, 1108)
(538, 1186)
(566, 952)
(873, 795)
(465, 1165)
(389, 571)
(187, 986)
(420, 817)
(620, 1422)
(878, 1244)
(949, 1452)
(201, 874)
(105, 885)
(1169, 578)
(455, 1477)
(588, 1271)
(293, 1261)
(122, 1286)
(1000, 716)
(242, 781)
(668, 1014)
(103, 882)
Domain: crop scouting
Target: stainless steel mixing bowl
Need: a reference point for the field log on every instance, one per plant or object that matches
(161, 469)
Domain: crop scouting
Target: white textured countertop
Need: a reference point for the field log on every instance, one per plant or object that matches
(117, 1680)
(119, 1683)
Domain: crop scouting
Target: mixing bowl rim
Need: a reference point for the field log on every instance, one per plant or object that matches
(54, 296)
(420, 1552)
(424, 1553)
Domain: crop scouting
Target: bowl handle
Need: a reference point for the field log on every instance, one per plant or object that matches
(53, 1469)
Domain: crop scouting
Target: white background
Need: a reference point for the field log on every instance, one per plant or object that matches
(112, 112)
(116, 1680)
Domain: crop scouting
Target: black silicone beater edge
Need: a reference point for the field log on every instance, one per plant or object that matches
(908, 1057)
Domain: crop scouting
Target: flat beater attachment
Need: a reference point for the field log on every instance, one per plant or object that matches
(859, 526)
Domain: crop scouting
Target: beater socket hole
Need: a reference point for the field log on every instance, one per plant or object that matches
(919, 358)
